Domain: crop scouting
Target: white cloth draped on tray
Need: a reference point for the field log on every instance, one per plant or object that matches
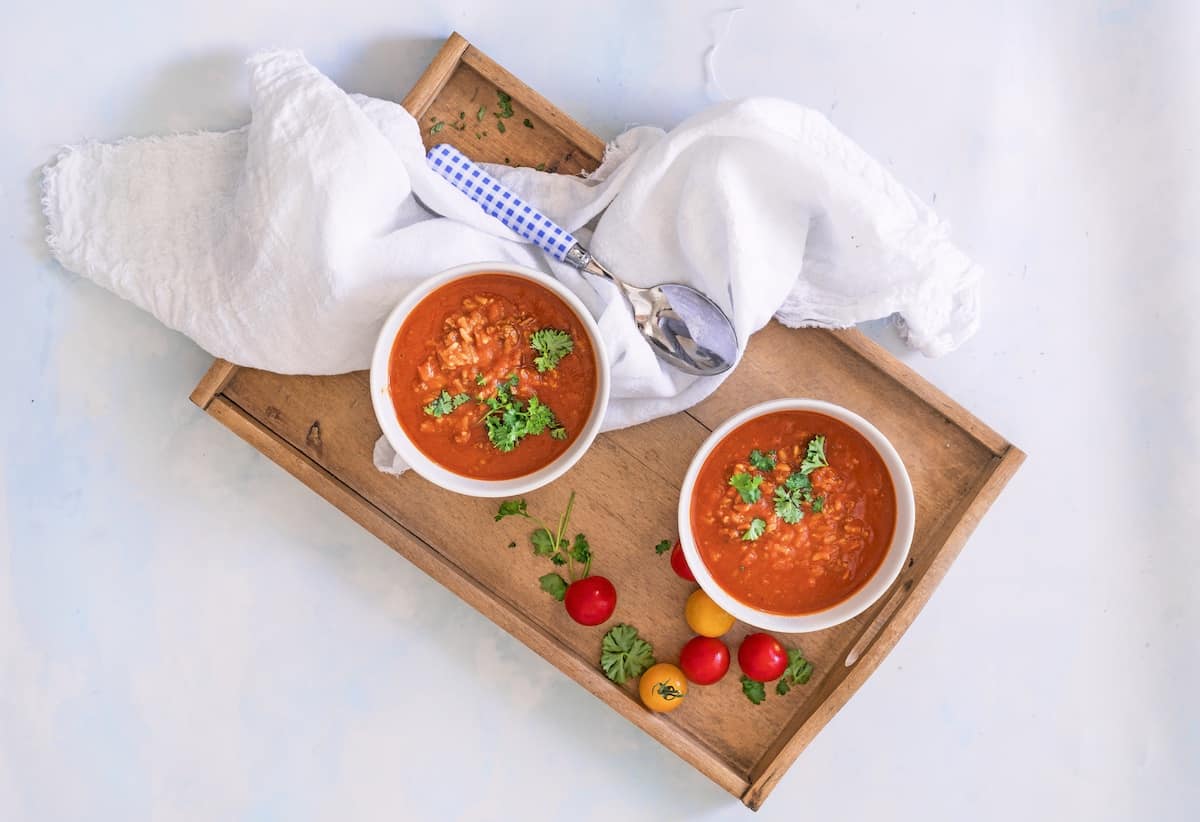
(283, 245)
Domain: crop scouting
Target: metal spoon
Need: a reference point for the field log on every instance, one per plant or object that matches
(684, 327)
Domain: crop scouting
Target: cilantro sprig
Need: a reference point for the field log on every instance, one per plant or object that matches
(662, 547)
(552, 345)
(444, 403)
(624, 654)
(553, 544)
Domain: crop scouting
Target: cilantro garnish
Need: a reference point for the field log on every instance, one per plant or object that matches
(814, 455)
(797, 482)
(480, 379)
(509, 420)
(444, 403)
(436, 127)
(798, 672)
(624, 654)
(757, 528)
(500, 126)
(540, 167)
(747, 486)
(796, 490)
(754, 691)
(763, 461)
(787, 505)
(553, 345)
(527, 123)
(662, 547)
(479, 115)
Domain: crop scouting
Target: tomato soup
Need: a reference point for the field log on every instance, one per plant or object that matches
(793, 512)
(472, 388)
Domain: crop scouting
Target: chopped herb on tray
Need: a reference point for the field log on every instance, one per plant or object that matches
(662, 547)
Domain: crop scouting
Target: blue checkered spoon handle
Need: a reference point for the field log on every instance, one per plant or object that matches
(497, 201)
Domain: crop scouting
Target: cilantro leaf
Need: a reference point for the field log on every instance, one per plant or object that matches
(754, 691)
(747, 486)
(538, 417)
(444, 403)
(581, 551)
(438, 126)
(527, 123)
(787, 505)
(559, 559)
(512, 508)
(480, 379)
(662, 547)
(512, 543)
(480, 114)
(814, 455)
(543, 543)
(623, 654)
(761, 461)
(554, 585)
(553, 345)
(798, 672)
(817, 505)
(558, 433)
(756, 530)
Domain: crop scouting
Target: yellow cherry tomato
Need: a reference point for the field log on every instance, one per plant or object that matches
(662, 688)
(706, 617)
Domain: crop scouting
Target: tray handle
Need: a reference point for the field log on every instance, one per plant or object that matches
(860, 648)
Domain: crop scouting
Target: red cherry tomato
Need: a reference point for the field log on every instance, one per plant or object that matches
(704, 660)
(679, 564)
(762, 658)
(590, 600)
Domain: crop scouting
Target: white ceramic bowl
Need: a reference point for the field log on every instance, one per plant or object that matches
(876, 586)
(385, 413)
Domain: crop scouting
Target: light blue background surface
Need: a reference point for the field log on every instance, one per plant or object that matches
(188, 633)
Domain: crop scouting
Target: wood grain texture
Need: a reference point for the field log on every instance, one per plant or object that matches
(322, 430)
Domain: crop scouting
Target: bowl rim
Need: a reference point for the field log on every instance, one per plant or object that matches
(393, 432)
(875, 587)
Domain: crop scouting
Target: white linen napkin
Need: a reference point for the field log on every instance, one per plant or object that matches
(284, 244)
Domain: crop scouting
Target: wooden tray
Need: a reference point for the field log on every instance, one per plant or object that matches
(322, 430)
